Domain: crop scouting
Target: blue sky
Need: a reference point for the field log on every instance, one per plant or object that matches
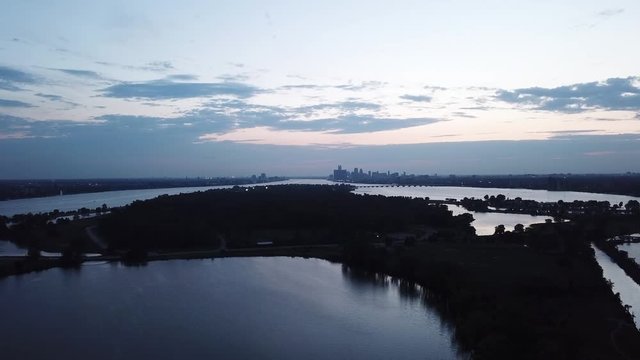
(201, 88)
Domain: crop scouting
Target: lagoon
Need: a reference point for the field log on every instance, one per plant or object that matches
(231, 308)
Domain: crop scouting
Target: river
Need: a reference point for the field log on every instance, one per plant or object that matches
(622, 283)
(233, 308)
(124, 197)
(484, 223)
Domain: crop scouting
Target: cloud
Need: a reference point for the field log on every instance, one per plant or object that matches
(434, 88)
(154, 66)
(600, 153)
(158, 66)
(50, 97)
(344, 106)
(302, 86)
(12, 127)
(611, 94)
(588, 136)
(463, 114)
(234, 77)
(352, 124)
(166, 89)
(351, 86)
(80, 73)
(222, 116)
(417, 98)
(10, 78)
(365, 85)
(182, 77)
(610, 12)
(56, 98)
(14, 103)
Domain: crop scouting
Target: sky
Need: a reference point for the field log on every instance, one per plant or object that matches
(231, 88)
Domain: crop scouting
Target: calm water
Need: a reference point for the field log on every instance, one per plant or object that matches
(485, 223)
(10, 249)
(444, 192)
(622, 283)
(633, 249)
(242, 308)
(120, 198)
(89, 200)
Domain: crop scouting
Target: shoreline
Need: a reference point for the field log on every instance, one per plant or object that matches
(18, 265)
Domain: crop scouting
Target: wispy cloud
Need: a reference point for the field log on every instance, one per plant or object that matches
(12, 127)
(610, 12)
(234, 77)
(416, 98)
(14, 103)
(344, 106)
(12, 79)
(303, 87)
(166, 89)
(599, 153)
(353, 124)
(158, 66)
(350, 86)
(182, 77)
(154, 66)
(463, 114)
(56, 98)
(364, 85)
(80, 73)
(50, 97)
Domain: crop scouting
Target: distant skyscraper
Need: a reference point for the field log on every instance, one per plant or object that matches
(340, 174)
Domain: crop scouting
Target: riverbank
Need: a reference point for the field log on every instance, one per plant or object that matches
(620, 258)
(17, 265)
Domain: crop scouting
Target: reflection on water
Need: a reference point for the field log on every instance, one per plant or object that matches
(124, 197)
(444, 192)
(632, 248)
(485, 223)
(622, 283)
(114, 198)
(241, 308)
(8, 248)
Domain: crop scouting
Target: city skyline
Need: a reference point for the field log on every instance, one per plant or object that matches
(152, 89)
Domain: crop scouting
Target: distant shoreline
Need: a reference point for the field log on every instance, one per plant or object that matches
(611, 184)
(29, 189)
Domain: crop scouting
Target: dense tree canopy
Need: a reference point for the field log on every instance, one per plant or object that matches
(195, 220)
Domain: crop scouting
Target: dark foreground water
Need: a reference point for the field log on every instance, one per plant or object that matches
(243, 308)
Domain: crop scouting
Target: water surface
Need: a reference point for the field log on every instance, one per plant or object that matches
(633, 249)
(622, 283)
(124, 197)
(237, 308)
(456, 192)
(485, 223)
